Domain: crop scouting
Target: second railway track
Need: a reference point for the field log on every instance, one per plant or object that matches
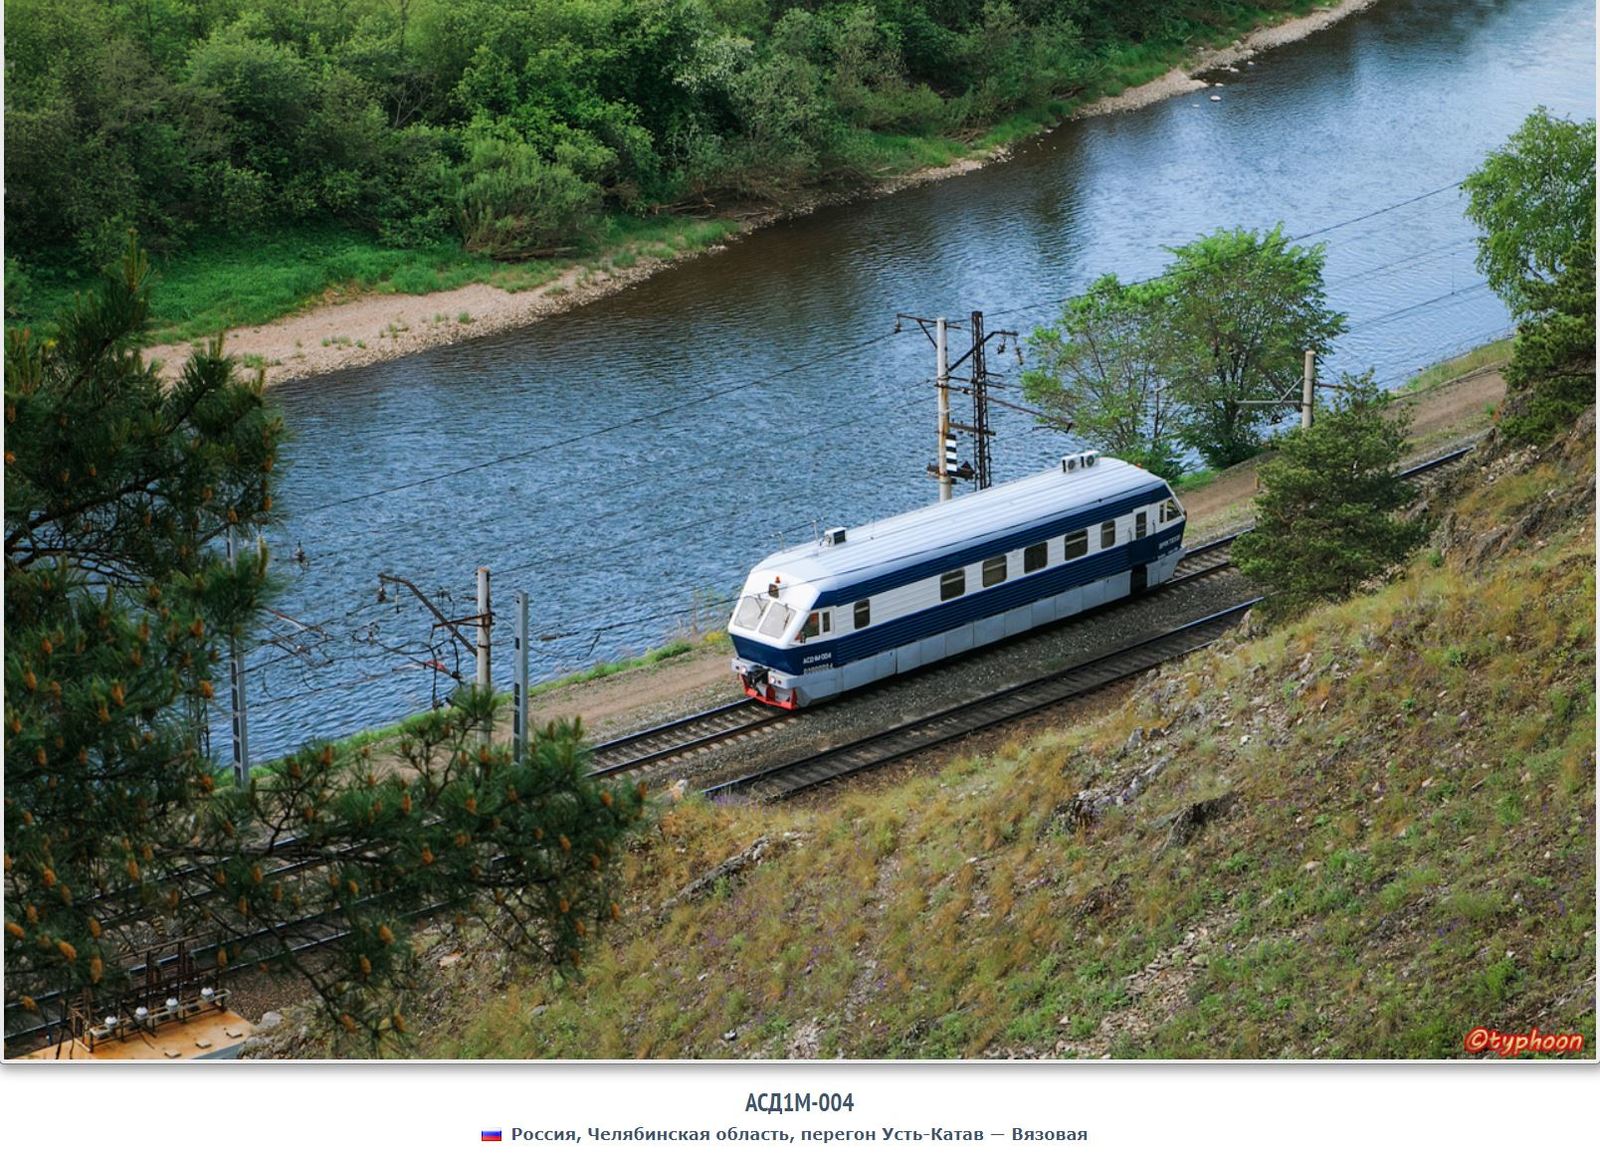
(992, 709)
(672, 739)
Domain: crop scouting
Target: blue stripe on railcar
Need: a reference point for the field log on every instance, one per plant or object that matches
(1083, 518)
(1012, 594)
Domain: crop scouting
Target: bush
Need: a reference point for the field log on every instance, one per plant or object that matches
(515, 205)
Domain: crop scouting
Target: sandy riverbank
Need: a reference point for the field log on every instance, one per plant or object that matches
(386, 326)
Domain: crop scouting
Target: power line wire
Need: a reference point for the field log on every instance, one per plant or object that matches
(1411, 309)
(1054, 301)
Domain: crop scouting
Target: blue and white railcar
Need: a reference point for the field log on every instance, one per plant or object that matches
(888, 597)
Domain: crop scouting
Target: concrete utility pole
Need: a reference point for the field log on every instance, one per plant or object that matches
(483, 619)
(1308, 388)
(519, 681)
(485, 680)
(241, 729)
(942, 382)
(945, 468)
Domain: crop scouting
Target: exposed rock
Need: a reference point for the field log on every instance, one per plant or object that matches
(1191, 819)
(1085, 807)
(804, 1045)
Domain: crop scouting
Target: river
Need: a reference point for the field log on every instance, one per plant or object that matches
(651, 447)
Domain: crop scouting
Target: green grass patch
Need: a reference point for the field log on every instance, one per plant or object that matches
(710, 642)
(251, 279)
(1198, 479)
(1496, 354)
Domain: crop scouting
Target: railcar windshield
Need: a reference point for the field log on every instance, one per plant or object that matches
(776, 621)
(749, 612)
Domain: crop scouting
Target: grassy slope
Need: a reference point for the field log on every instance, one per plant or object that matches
(1410, 853)
(252, 278)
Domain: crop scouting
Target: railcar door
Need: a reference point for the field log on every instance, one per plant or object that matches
(1140, 580)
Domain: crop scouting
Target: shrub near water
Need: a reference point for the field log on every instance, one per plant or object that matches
(1401, 848)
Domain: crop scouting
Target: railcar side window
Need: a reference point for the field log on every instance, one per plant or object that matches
(1034, 557)
(952, 584)
(1077, 543)
(1108, 534)
(863, 614)
(1140, 521)
(776, 622)
(749, 612)
(817, 624)
(994, 571)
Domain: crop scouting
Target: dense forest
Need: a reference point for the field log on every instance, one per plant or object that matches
(510, 127)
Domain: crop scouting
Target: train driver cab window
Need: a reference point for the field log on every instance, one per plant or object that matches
(1141, 520)
(1077, 543)
(994, 571)
(817, 624)
(776, 621)
(749, 612)
(952, 584)
(863, 614)
(1108, 534)
(1035, 556)
(1170, 511)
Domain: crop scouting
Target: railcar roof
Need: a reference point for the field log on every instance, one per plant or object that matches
(969, 519)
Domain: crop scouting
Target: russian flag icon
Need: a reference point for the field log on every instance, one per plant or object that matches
(490, 1136)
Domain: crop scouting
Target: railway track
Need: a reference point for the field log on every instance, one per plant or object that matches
(672, 739)
(1003, 705)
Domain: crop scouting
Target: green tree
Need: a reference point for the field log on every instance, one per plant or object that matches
(118, 486)
(1326, 517)
(1102, 368)
(1551, 375)
(1533, 201)
(1244, 308)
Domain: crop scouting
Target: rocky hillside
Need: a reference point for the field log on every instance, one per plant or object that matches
(1361, 835)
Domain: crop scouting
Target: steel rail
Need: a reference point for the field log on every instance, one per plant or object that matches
(673, 739)
(998, 707)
